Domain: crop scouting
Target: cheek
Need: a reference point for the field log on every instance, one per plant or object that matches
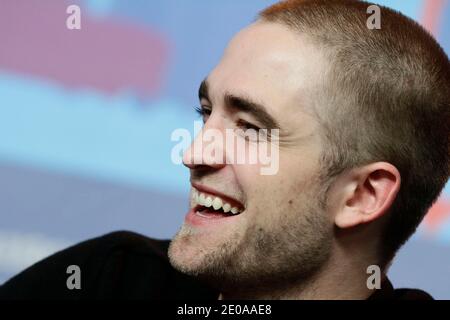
(248, 176)
(265, 192)
(287, 189)
(300, 169)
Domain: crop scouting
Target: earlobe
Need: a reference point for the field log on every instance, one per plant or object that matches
(368, 194)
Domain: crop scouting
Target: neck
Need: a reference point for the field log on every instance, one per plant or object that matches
(346, 280)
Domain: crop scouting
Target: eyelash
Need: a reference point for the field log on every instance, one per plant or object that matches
(202, 111)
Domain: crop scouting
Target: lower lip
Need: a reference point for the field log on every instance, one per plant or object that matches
(194, 218)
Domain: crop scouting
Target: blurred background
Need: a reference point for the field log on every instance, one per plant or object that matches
(86, 117)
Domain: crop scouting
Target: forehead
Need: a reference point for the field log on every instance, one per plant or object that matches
(270, 64)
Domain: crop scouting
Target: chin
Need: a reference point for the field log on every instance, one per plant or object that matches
(184, 254)
(196, 253)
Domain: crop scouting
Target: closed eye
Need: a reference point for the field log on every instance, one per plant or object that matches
(204, 112)
(247, 125)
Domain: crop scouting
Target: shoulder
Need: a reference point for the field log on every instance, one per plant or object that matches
(120, 264)
(387, 292)
(411, 294)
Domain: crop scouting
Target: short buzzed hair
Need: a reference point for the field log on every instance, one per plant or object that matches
(387, 99)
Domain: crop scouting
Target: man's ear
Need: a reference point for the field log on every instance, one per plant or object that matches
(366, 194)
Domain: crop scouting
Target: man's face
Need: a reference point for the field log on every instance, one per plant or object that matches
(283, 231)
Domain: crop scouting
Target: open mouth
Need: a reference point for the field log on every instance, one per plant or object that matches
(209, 205)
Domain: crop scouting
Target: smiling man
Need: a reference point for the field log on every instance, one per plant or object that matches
(363, 120)
(363, 124)
(282, 233)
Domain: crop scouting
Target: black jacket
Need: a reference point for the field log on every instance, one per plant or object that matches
(126, 265)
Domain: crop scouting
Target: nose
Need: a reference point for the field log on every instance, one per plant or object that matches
(207, 150)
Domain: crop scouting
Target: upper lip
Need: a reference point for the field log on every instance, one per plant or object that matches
(205, 189)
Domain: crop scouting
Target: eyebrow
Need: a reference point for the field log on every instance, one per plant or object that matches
(243, 104)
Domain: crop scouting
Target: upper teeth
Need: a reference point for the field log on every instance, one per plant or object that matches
(217, 203)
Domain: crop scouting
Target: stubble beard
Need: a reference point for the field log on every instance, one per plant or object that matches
(262, 258)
